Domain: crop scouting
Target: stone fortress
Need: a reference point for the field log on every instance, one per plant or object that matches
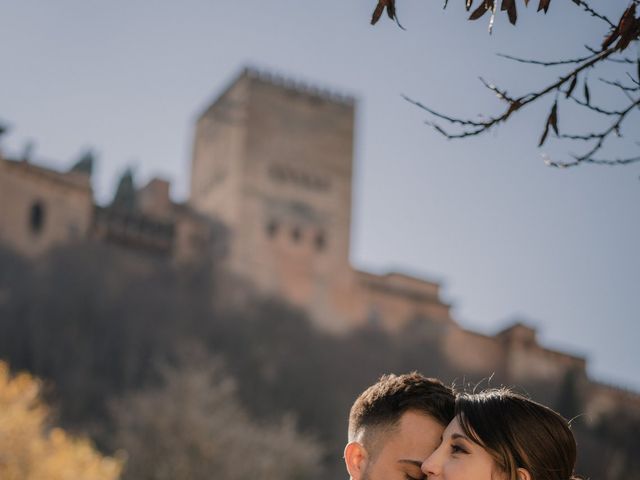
(271, 181)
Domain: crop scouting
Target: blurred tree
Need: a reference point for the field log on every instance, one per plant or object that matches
(608, 447)
(192, 426)
(125, 196)
(611, 57)
(85, 163)
(30, 450)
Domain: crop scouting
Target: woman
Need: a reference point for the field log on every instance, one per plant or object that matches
(500, 435)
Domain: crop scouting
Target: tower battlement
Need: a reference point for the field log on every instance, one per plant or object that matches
(299, 86)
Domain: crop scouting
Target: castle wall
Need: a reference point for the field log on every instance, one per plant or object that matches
(526, 360)
(297, 188)
(473, 353)
(532, 362)
(393, 300)
(218, 155)
(603, 399)
(154, 199)
(513, 354)
(40, 208)
(134, 230)
(272, 162)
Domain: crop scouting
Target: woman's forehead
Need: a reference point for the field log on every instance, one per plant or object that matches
(453, 427)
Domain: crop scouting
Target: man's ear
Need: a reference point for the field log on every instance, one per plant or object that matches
(356, 457)
(523, 474)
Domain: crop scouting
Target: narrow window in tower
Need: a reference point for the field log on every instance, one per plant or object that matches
(272, 228)
(36, 217)
(320, 241)
(296, 234)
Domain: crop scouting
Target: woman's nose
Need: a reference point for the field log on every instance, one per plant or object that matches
(430, 466)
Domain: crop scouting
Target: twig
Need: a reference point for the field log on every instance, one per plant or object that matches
(619, 85)
(595, 108)
(515, 104)
(593, 13)
(453, 120)
(615, 127)
(546, 64)
(611, 163)
(501, 94)
(614, 60)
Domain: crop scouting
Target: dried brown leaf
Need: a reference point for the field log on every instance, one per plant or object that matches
(627, 20)
(510, 7)
(377, 13)
(391, 9)
(628, 27)
(512, 12)
(468, 4)
(389, 5)
(481, 10)
(552, 121)
(609, 39)
(553, 117)
(543, 138)
(572, 86)
(544, 5)
(587, 96)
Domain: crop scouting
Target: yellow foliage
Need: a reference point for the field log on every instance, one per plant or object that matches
(30, 451)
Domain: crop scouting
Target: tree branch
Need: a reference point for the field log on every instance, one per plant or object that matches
(619, 85)
(622, 34)
(585, 6)
(618, 161)
(594, 108)
(546, 64)
(600, 137)
(514, 103)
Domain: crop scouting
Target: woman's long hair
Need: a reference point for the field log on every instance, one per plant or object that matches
(519, 433)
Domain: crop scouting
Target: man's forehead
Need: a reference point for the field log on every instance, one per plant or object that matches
(415, 437)
(417, 432)
(413, 420)
(414, 433)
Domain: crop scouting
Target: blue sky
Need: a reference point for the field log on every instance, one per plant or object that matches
(508, 237)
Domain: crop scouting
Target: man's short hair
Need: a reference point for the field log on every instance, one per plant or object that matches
(381, 405)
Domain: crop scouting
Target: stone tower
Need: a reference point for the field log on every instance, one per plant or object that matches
(273, 160)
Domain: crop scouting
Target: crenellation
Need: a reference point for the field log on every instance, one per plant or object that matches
(300, 87)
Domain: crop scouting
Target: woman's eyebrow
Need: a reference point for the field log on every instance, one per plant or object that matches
(456, 436)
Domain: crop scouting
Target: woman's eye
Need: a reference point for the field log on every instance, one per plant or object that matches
(457, 449)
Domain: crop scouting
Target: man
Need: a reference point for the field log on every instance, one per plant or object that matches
(394, 425)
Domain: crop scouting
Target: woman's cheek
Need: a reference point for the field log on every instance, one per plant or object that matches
(455, 470)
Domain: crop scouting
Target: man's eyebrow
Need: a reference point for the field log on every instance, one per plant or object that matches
(417, 463)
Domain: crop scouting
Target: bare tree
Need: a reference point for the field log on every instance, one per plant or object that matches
(571, 86)
(193, 426)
